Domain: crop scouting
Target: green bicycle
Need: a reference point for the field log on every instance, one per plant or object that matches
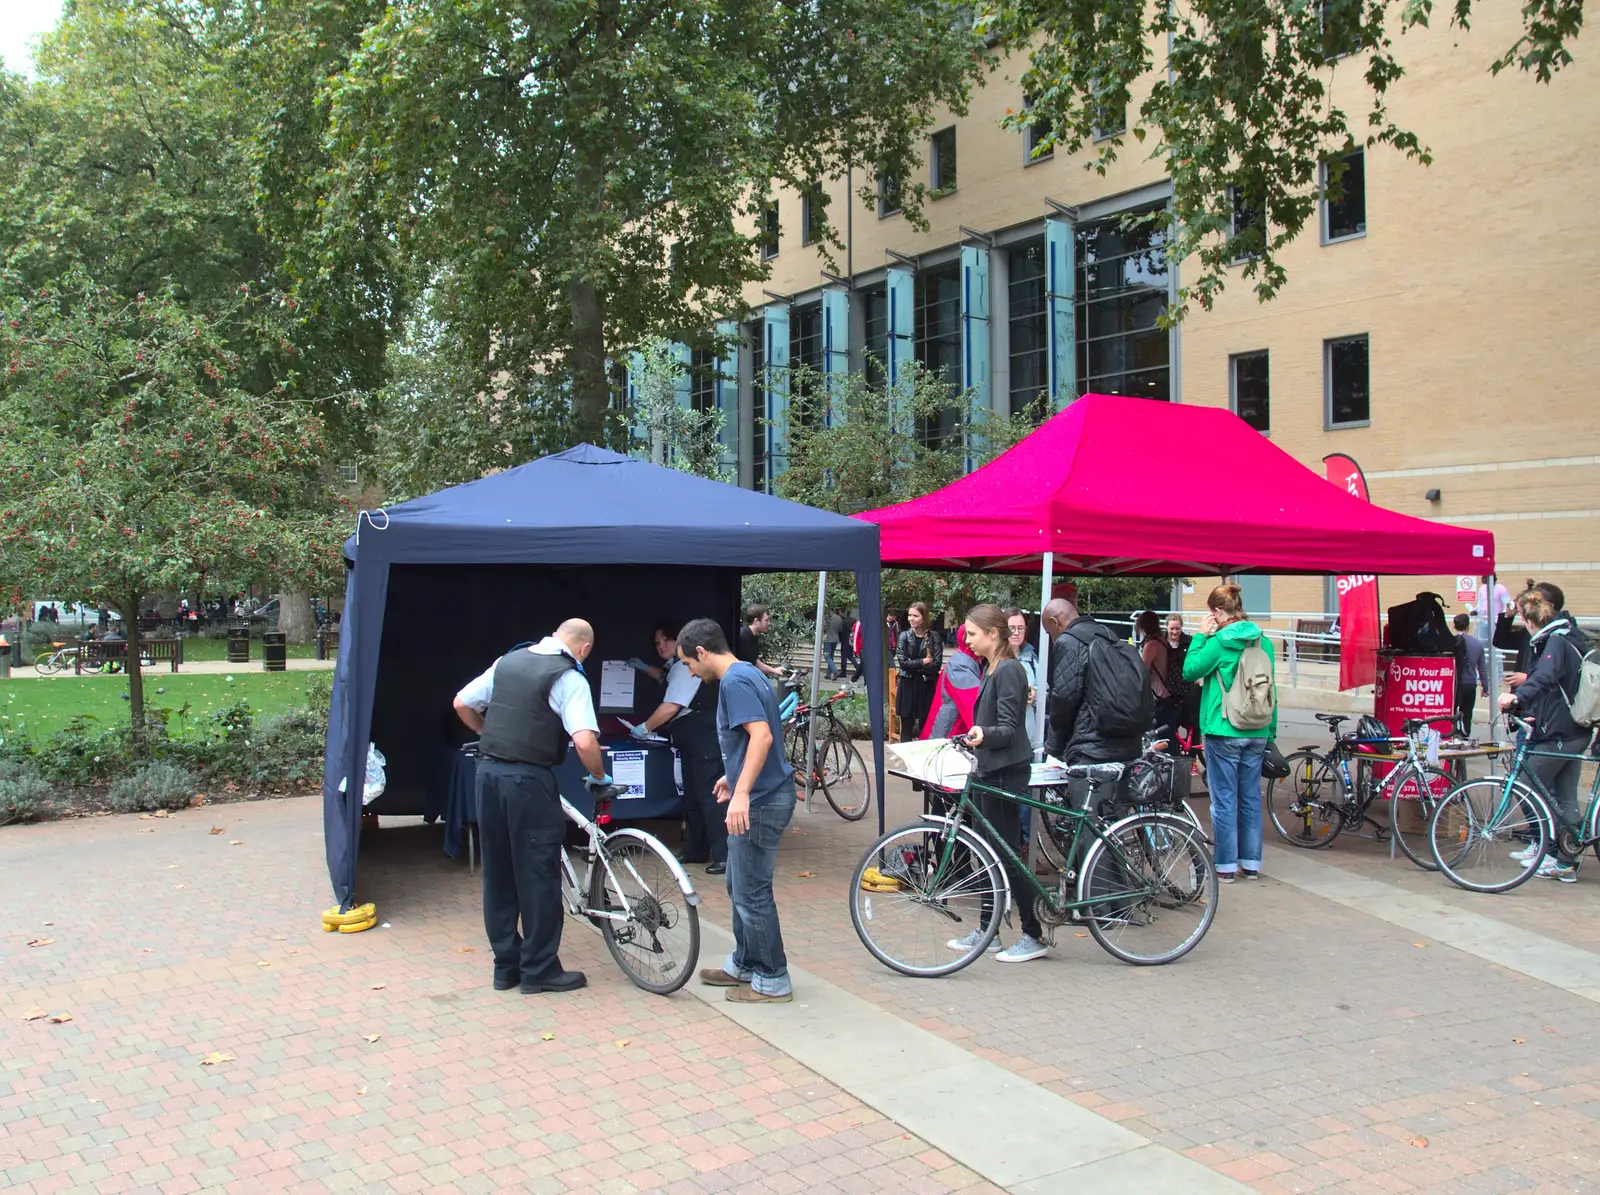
(1144, 886)
(1491, 834)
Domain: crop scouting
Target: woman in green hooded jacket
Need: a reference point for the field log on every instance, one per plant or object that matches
(1233, 756)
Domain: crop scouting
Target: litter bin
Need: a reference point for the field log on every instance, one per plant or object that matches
(274, 651)
(239, 645)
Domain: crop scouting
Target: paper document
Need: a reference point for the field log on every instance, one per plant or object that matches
(616, 685)
(627, 769)
(933, 761)
(650, 736)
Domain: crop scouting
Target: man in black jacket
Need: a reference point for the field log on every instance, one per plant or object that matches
(1544, 699)
(1075, 735)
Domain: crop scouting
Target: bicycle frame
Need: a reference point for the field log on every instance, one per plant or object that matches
(1520, 773)
(577, 903)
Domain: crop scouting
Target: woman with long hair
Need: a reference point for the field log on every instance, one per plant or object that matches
(1233, 756)
(1003, 758)
(919, 655)
(1153, 651)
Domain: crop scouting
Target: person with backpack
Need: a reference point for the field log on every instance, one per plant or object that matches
(1157, 657)
(1555, 700)
(1100, 702)
(1232, 660)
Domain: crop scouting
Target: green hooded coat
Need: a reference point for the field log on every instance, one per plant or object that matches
(1213, 660)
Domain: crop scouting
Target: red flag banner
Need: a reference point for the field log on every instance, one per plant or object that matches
(1358, 592)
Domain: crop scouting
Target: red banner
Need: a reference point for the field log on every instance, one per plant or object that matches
(1358, 593)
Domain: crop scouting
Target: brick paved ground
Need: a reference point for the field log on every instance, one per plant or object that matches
(1303, 1046)
(161, 931)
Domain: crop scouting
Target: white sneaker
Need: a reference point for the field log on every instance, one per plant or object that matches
(971, 940)
(1527, 854)
(1025, 950)
(1553, 869)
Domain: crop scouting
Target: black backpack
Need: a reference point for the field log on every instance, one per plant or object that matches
(1420, 627)
(1121, 700)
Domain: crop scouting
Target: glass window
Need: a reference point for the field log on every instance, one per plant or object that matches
(1030, 333)
(1341, 27)
(1345, 367)
(942, 162)
(805, 349)
(349, 476)
(1248, 227)
(813, 209)
(1346, 216)
(888, 195)
(1108, 121)
(1035, 136)
(760, 470)
(1122, 291)
(875, 327)
(769, 230)
(1249, 385)
(702, 380)
(937, 340)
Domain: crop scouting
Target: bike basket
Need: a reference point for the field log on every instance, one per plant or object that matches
(1148, 780)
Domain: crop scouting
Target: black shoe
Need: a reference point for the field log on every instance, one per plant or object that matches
(504, 981)
(716, 869)
(694, 859)
(561, 981)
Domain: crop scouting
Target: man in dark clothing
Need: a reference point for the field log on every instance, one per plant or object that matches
(757, 621)
(525, 708)
(1074, 734)
(1470, 673)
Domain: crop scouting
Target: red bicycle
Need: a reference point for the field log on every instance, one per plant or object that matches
(837, 768)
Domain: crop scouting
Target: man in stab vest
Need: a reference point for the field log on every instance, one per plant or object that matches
(525, 708)
(688, 716)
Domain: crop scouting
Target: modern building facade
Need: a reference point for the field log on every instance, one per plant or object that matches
(1438, 325)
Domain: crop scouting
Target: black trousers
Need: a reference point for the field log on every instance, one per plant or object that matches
(1466, 701)
(1006, 817)
(702, 767)
(1560, 778)
(522, 828)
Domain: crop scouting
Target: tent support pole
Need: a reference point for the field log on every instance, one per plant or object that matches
(1046, 575)
(816, 674)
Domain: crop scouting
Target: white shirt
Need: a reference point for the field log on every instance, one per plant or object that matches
(1501, 598)
(570, 697)
(682, 685)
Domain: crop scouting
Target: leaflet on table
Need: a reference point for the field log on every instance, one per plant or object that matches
(616, 685)
(627, 770)
(933, 761)
(649, 737)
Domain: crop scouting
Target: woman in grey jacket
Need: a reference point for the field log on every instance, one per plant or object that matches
(1003, 755)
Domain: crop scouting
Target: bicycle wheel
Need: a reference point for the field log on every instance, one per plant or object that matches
(47, 663)
(1304, 805)
(908, 902)
(1414, 836)
(1488, 839)
(1156, 886)
(846, 782)
(659, 944)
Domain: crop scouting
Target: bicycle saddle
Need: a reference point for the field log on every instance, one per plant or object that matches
(1097, 773)
(1332, 719)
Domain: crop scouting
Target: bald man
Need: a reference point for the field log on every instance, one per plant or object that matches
(525, 708)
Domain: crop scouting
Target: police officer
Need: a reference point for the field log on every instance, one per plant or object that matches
(688, 715)
(525, 708)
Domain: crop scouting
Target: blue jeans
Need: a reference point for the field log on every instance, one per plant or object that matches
(1233, 772)
(827, 653)
(752, 858)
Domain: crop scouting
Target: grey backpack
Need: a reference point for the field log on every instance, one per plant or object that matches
(1585, 703)
(1248, 703)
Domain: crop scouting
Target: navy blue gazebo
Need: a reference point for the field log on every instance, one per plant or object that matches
(440, 586)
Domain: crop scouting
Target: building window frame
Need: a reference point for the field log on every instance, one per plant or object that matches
(942, 163)
(771, 230)
(1325, 206)
(1101, 132)
(1122, 279)
(1329, 346)
(812, 215)
(889, 202)
(1235, 360)
(349, 475)
(1033, 132)
(1240, 218)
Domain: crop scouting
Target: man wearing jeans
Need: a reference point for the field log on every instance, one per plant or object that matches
(757, 786)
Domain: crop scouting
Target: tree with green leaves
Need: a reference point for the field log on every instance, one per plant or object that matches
(574, 172)
(666, 430)
(1242, 109)
(131, 459)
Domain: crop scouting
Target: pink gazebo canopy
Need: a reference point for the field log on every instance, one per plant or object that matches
(1114, 485)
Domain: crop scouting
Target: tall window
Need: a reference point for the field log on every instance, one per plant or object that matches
(942, 162)
(875, 327)
(769, 230)
(1347, 382)
(1036, 136)
(813, 214)
(938, 337)
(1030, 333)
(888, 195)
(760, 473)
(702, 380)
(1341, 27)
(1346, 216)
(805, 349)
(1248, 228)
(1249, 384)
(1122, 291)
(1109, 119)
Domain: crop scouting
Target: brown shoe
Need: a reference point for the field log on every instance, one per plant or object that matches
(744, 994)
(716, 977)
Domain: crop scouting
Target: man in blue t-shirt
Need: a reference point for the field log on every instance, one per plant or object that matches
(757, 786)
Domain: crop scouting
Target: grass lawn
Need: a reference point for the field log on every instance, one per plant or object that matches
(38, 708)
(196, 649)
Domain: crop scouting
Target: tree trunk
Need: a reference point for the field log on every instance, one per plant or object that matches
(591, 391)
(295, 617)
(130, 620)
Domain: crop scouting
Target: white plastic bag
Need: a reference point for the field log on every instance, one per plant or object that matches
(376, 780)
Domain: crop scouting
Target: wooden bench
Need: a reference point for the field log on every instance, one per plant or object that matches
(115, 651)
(1324, 652)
